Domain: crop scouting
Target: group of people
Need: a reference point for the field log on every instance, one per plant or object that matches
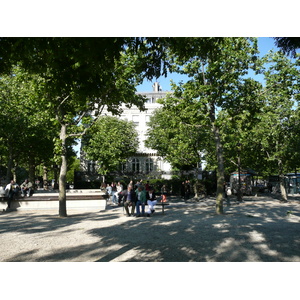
(12, 190)
(135, 197)
(185, 190)
(113, 190)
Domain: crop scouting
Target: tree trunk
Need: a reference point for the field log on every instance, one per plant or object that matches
(45, 178)
(196, 186)
(31, 175)
(281, 182)
(220, 171)
(63, 173)
(239, 192)
(220, 161)
(14, 174)
(55, 186)
(9, 165)
(282, 188)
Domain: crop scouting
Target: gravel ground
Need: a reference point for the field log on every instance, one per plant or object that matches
(261, 229)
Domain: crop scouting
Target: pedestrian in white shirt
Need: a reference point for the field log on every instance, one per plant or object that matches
(151, 201)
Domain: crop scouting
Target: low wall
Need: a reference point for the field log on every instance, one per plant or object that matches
(84, 200)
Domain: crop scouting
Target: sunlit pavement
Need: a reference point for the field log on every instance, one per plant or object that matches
(258, 229)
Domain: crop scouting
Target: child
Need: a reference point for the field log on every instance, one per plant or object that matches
(164, 198)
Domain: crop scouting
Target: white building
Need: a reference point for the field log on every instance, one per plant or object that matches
(146, 160)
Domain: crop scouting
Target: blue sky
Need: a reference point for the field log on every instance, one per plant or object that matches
(265, 44)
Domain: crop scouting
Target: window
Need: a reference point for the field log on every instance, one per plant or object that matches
(91, 168)
(136, 165)
(147, 119)
(149, 99)
(149, 165)
(123, 167)
(136, 120)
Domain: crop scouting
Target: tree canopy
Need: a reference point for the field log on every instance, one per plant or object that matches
(26, 128)
(83, 75)
(224, 104)
(289, 45)
(110, 142)
(61, 80)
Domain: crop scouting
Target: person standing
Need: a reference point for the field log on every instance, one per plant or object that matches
(182, 190)
(109, 191)
(187, 189)
(147, 186)
(141, 200)
(114, 198)
(119, 189)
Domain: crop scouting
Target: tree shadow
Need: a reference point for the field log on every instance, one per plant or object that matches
(245, 232)
(30, 222)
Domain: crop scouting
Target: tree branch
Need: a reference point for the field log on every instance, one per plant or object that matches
(98, 114)
(63, 101)
(234, 162)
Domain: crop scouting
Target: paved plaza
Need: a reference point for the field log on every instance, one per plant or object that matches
(261, 229)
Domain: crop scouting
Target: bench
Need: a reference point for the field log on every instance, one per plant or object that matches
(3, 197)
(162, 204)
(51, 201)
(50, 197)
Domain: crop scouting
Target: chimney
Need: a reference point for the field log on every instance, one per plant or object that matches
(156, 87)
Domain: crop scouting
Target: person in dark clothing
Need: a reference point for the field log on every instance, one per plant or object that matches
(11, 191)
(129, 198)
(187, 189)
(182, 190)
(225, 190)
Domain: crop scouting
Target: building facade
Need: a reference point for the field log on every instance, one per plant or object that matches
(146, 162)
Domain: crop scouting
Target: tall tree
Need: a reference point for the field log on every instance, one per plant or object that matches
(25, 125)
(85, 74)
(277, 131)
(177, 142)
(218, 82)
(270, 138)
(110, 142)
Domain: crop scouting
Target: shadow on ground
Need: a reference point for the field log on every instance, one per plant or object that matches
(258, 230)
